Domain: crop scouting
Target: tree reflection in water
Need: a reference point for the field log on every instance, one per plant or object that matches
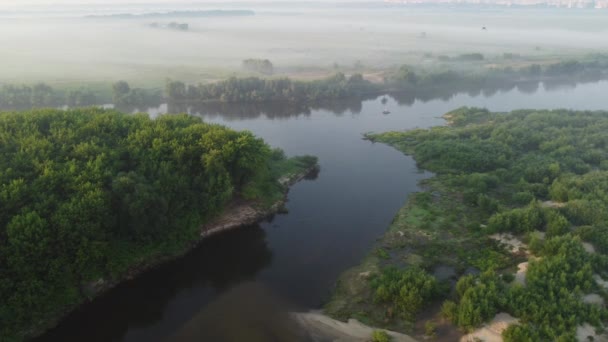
(217, 265)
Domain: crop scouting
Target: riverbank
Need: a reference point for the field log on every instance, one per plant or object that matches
(493, 171)
(405, 83)
(238, 213)
(322, 328)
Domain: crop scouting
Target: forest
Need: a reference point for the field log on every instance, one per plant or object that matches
(405, 83)
(403, 79)
(43, 95)
(540, 176)
(89, 194)
(407, 78)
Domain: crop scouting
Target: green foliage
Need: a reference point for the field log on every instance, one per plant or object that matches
(43, 95)
(124, 95)
(508, 277)
(487, 204)
(480, 299)
(381, 336)
(80, 98)
(449, 310)
(89, 193)
(382, 253)
(519, 220)
(522, 197)
(557, 224)
(264, 186)
(430, 329)
(454, 155)
(451, 77)
(598, 236)
(405, 290)
(554, 286)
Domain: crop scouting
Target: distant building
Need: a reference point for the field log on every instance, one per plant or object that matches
(598, 4)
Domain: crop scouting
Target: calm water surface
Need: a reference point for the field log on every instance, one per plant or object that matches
(332, 222)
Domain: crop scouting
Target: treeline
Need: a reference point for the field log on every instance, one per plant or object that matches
(408, 78)
(124, 95)
(405, 84)
(43, 95)
(255, 89)
(88, 194)
(525, 172)
(405, 80)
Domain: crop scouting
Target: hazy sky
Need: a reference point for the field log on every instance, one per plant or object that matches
(28, 3)
(124, 2)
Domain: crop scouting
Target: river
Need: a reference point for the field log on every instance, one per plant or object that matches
(333, 218)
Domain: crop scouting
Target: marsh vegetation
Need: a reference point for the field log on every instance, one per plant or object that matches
(493, 171)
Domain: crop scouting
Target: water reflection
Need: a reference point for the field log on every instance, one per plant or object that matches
(270, 110)
(249, 312)
(214, 267)
(284, 110)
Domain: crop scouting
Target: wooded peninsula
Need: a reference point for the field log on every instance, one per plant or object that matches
(90, 195)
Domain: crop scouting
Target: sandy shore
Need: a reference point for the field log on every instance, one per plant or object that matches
(491, 332)
(323, 328)
(513, 244)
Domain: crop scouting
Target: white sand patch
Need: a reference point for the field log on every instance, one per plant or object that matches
(365, 275)
(593, 298)
(584, 331)
(324, 328)
(589, 248)
(601, 282)
(520, 276)
(491, 332)
(552, 204)
(513, 244)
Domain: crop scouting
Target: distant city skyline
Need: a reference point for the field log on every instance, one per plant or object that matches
(551, 3)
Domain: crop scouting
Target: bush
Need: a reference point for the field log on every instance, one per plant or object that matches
(407, 290)
(430, 329)
(508, 278)
(381, 336)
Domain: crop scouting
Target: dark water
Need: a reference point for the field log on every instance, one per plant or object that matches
(332, 221)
